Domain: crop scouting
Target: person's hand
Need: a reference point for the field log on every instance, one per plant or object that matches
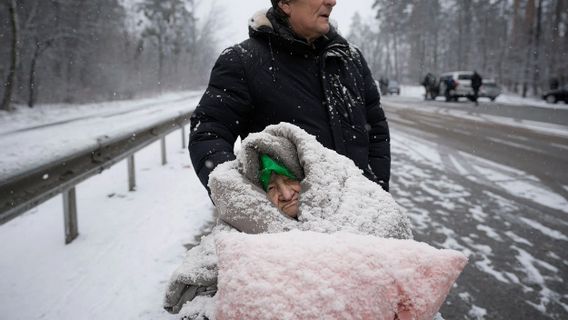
(183, 294)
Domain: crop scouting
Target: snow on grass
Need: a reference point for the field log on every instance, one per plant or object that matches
(129, 244)
(412, 91)
(514, 99)
(32, 138)
(23, 117)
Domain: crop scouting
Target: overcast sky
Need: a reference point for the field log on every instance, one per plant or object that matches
(237, 13)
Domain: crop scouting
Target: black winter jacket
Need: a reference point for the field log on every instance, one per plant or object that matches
(325, 88)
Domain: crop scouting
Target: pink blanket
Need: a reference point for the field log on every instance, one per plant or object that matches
(308, 275)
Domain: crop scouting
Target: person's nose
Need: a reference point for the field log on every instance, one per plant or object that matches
(286, 193)
(330, 3)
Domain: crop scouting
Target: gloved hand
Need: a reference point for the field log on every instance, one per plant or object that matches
(182, 294)
(196, 276)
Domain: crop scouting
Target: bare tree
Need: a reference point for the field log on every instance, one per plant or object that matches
(519, 42)
(80, 50)
(168, 24)
(14, 55)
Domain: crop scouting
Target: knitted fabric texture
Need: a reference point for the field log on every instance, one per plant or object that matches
(269, 166)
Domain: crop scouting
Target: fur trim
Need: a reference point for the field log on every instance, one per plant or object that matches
(259, 20)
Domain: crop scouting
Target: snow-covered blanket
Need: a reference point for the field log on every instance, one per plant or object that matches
(335, 197)
(308, 275)
(335, 194)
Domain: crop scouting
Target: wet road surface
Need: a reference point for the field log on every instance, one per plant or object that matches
(491, 181)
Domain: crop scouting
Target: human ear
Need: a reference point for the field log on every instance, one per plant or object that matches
(285, 7)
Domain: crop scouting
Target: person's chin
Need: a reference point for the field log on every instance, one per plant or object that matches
(291, 210)
(292, 213)
(324, 28)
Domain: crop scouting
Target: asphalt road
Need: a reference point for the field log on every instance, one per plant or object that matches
(517, 241)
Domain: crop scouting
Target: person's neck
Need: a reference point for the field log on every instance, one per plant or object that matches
(309, 39)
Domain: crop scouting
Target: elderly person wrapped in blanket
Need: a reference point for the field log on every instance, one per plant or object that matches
(283, 179)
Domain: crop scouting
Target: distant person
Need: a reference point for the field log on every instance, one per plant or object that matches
(295, 67)
(476, 82)
(554, 83)
(450, 85)
(429, 84)
(384, 85)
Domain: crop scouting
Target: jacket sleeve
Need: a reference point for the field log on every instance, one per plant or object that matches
(379, 136)
(220, 116)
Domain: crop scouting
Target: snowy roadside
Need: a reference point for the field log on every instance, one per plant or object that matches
(505, 98)
(48, 114)
(416, 93)
(31, 138)
(128, 246)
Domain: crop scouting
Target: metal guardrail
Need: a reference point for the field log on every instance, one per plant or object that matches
(24, 192)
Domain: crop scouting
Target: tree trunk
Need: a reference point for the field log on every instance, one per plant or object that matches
(396, 66)
(460, 41)
(536, 67)
(387, 56)
(514, 59)
(160, 63)
(32, 83)
(529, 34)
(10, 79)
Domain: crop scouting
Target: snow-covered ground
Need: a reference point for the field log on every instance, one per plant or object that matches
(505, 98)
(130, 242)
(416, 92)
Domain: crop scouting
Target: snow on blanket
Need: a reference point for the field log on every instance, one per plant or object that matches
(309, 275)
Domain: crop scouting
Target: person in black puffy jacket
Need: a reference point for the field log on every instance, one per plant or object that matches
(294, 68)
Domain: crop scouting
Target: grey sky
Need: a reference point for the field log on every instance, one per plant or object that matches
(237, 13)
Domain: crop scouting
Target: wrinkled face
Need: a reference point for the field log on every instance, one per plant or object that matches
(309, 18)
(284, 193)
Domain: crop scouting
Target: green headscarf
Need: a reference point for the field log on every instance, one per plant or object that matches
(268, 166)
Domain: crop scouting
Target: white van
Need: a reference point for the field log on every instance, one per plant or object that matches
(462, 84)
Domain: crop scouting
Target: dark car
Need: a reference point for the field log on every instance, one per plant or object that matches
(554, 96)
(393, 87)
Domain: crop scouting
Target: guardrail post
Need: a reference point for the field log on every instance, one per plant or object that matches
(163, 144)
(131, 173)
(183, 137)
(70, 215)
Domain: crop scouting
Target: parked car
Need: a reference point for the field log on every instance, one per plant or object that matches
(393, 87)
(462, 84)
(554, 96)
(490, 89)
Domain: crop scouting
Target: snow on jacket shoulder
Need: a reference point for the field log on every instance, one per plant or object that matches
(326, 89)
(335, 194)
